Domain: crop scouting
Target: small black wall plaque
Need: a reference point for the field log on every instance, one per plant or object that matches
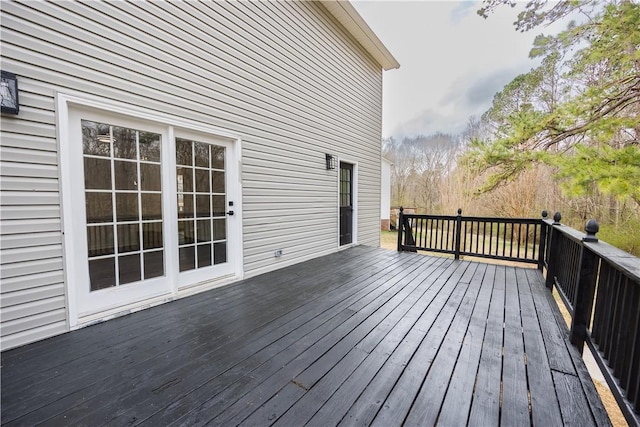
(9, 92)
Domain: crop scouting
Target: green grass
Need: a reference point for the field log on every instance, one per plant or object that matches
(626, 236)
(388, 239)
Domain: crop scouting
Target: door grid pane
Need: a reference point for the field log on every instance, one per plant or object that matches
(201, 189)
(123, 193)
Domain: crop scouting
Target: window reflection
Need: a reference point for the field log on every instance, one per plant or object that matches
(202, 185)
(149, 147)
(102, 273)
(97, 174)
(124, 143)
(125, 238)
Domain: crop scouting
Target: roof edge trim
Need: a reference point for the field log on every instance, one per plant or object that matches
(351, 20)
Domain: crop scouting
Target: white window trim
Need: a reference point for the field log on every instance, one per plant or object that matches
(354, 232)
(67, 100)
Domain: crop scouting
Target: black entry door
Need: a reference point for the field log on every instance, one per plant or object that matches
(346, 203)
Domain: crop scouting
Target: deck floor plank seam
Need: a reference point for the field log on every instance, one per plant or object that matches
(540, 379)
(357, 338)
(81, 348)
(457, 403)
(398, 403)
(578, 368)
(119, 379)
(515, 402)
(148, 317)
(399, 321)
(197, 368)
(428, 402)
(485, 404)
(208, 405)
(314, 365)
(368, 402)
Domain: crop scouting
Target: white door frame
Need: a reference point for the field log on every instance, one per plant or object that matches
(74, 249)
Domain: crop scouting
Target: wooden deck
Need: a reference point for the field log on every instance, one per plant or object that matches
(363, 337)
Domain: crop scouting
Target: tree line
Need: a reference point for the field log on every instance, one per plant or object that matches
(565, 136)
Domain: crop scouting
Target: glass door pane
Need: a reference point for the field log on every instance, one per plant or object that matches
(202, 201)
(123, 204)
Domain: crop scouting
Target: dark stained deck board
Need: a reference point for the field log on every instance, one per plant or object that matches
(485, 405)
(94, 411)
(598, 411)
(329, 352)
(543, 411)
(329, 407)
(426, 406)
(400, 400)
(457, 403)
(515, 403)
(337, 406)
(151, 323)
(179, 348)
(569, 389)
(363, 337)
(207, 403)
(368, 403)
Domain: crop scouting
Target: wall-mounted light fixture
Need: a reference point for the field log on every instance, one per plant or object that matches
(9, 92)
(331, 161)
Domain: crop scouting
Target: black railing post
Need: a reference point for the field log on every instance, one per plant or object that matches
(457, 235)
(400, 229)
(409, 240)
(553, 251)
(585, 288)
(542, 248)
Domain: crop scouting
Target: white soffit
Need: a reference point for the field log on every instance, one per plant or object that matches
(350, 19)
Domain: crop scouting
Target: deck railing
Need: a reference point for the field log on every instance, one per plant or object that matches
(600, 286)
(513, 239)
(598, 283)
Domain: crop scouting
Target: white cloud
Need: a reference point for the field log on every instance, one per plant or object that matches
(452, 61)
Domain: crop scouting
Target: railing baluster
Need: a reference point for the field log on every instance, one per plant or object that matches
(634, 331)
(608, 318)
(598, 317)
(526, 241)
(504, 240)
(466, 231)
(511, 242)
(634, 351)
(437, 233)
(446, 234)
(535, 243)
(617, 316)
(490, 238)
(618, 362)
(636, 401)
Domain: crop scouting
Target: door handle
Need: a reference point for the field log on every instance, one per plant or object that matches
(230, 213)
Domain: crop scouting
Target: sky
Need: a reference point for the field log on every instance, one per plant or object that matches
(452, 61)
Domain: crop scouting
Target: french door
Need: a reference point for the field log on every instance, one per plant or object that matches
(204, 209)
(151, 207)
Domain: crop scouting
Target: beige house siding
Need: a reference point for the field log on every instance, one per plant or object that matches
(294, 88)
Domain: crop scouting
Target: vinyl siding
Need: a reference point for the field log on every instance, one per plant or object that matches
(295, 88)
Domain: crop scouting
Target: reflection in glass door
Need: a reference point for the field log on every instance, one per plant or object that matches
(201, 191)
(123, 204)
